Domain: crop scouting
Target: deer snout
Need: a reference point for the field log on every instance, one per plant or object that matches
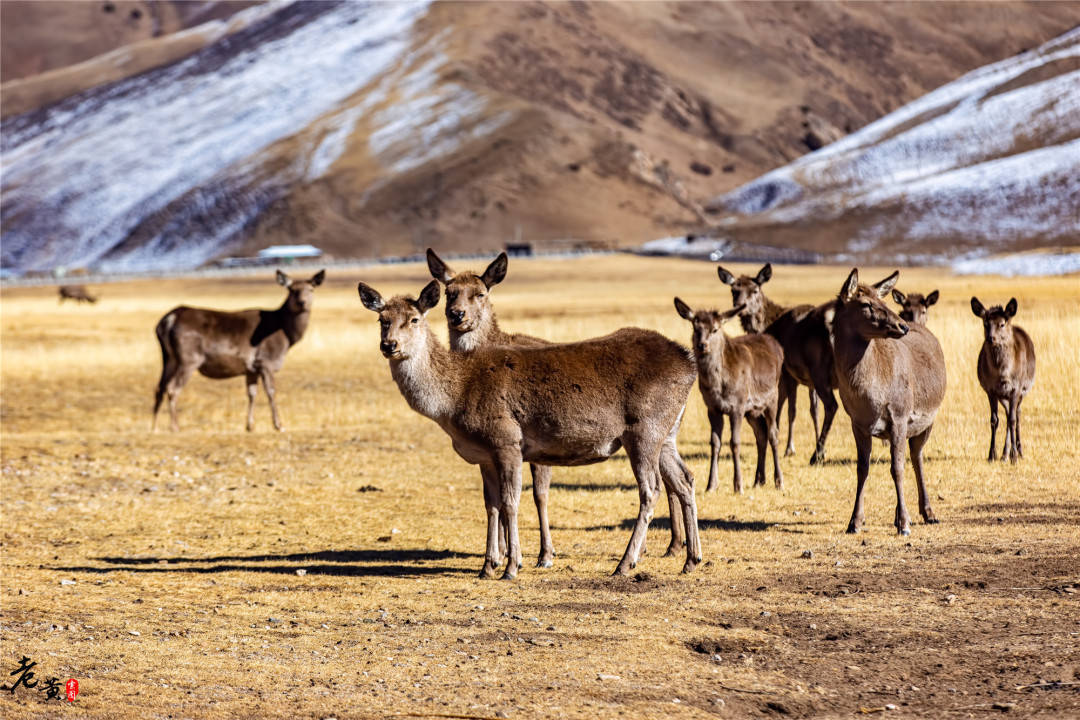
(388, 347)
(456, 316)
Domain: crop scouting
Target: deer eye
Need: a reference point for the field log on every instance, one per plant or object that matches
(451, 296)
(415, 320)
(479, 295)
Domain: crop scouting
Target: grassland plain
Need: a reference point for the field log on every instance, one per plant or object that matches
(330, 570)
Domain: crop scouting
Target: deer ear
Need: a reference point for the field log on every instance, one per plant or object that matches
(977, 307)
(847, 290)
(683, 309)
(1010, 309)
(317, 278)
(283, 279)
(438, 268)
(732, 312)
(496, 271)
(764, 274)
(429, 296)
(932, 298)
(370, 297)
(725, 277)
(898, 297)
(884, 286)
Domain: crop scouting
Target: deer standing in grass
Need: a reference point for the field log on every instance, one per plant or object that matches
(571, 404)
(221, 344)
(78, 293)
(808, 358)
(738, 377)
(471, 319)
(891, 377)
(1006, 372)
(914, 307)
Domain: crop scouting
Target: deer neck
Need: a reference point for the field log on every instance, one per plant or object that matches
(849, 350)
(486, 333)
(1002, 354)
(427, 379)
(293, 324)
(711, 363)
(761, 317)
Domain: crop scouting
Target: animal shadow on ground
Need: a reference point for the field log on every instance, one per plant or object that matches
(664, 523)
(385, 563)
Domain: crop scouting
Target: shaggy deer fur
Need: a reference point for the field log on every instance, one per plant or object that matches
(1006, 371)
(222, 344)
(914, 307)
(891, 377)
(759, 313)
(738, 377)
(78, 293)
(471, 319)
(570, 404)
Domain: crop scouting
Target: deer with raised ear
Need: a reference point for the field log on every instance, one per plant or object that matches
(914, 306)
(891, 377)
(738, 377)
(571, 404)
(472, 322)
(222, 344)
(1006, 371)
(760, 314)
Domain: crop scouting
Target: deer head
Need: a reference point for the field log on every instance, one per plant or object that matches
(403, 324)
(997, 321)
(746, 290)
(468, 305)
(708, 325)
(862, 308)
(301, 292)
(914, 306)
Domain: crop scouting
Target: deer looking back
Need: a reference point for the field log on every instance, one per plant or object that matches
(738, 377)
(891, 377)
(471, 319)
(1006, 371)
(569, 404)
(222, 344)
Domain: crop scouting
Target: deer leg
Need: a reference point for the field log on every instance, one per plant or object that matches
(268, 386)
(821, 387)
(915, 446)
(736, 428)
(509, 488)
(993, 427)
(1007, 451)
(1016, 432)
(814, 410)
(674, 473)
(541, 477)
(492, 556)
(774, 441)
(716, 423)
(646, 466)
(757, 424)
(175, 385)
(1014, 429)
(788, 389)
(252, 380)
(862, 469)
(167, 371)
(896, 455)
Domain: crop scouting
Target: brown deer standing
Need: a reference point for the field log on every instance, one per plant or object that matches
(570, 404)
(222, 344)
(471, 319)
(914, 307)
(78, 293)
(759, 313)
(891, 377)
(1006, 372)
(738, 377)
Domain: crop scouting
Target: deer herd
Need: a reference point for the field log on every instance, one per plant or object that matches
(507, 399)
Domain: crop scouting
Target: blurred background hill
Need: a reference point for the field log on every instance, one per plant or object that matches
(148, 135)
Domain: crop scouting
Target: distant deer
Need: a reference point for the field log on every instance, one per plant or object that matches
(78, 293)
(221, 344)
(570, 404)
(914, 307)
(759, 313)
(738, 377)
(1006, 372)
(471, 319)
(891, 377)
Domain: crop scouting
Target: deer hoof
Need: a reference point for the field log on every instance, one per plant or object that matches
(689, 566)
(929, 519)
(674, 549)
(905, 531)
(508, 575)
(544, 562)
(852, 529)
(487, 572)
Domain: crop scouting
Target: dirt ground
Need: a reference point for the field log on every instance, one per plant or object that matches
(331, 570)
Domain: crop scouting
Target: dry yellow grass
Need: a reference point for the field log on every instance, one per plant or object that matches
(194, 540)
